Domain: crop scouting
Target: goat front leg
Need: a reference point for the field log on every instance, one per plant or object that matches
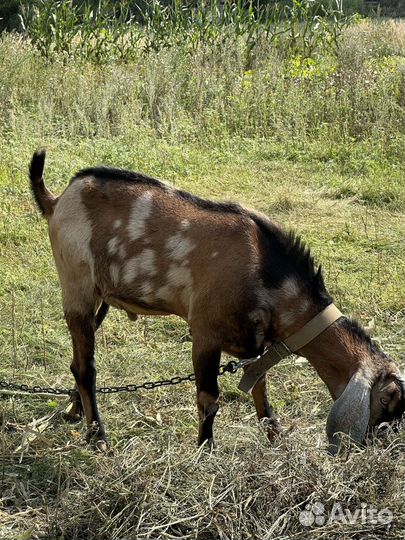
(82, 328)
(264, 410)
(206, 363)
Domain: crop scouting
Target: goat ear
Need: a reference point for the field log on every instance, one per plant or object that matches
(350, 413)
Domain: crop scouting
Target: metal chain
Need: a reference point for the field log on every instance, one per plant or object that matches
(230, 367)
(34, 389)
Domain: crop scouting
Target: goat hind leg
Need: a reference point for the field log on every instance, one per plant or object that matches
(74, 413)
(82, 328)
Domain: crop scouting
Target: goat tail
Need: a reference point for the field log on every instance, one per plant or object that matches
(43, 197)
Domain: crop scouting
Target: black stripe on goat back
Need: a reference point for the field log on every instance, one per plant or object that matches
(122, 175)
(117, 175)
(285, 256)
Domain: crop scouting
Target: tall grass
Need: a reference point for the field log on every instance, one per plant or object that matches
(210, 93)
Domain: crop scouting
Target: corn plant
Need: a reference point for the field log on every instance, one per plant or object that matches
(312, 26)
(67, 30)
(110, 32)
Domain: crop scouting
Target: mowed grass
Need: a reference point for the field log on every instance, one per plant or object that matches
(319, 148)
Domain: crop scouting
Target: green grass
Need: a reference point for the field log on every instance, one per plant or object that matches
(338, 183)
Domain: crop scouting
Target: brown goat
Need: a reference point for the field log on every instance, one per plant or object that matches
(241, 283)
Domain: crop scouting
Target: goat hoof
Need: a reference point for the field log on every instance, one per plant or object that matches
(207, 444)
(102, 446)
(96, 438)
(72, 415)
(210, 444)
(271, 428)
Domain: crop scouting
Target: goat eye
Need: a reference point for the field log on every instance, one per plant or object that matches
(384, 401)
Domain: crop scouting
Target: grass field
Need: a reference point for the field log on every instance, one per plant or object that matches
(338, 181)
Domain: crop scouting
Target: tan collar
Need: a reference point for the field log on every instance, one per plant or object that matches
(257, 367)
(313, 328)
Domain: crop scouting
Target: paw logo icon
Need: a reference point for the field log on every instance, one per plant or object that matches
(312, 515)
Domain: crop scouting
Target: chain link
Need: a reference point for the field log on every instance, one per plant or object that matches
(230, 367)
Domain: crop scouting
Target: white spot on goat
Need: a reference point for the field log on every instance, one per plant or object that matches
(112, 245)
(146, 288)
(115, 273)
(290, 301)
(179, 276)
(131, 269)
(179, 246)
(144, 263)
(147, 262)
(185, 224)
(178, 285)
(115, 246)
(72, 224)
(70, 233)
(289, 289)
(117, 223)
(214, 254)
(121, 251)
(165, 293)
(140, 212)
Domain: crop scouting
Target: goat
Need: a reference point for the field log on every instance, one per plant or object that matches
(126, 240)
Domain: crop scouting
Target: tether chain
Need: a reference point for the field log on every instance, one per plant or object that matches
(230, 367)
